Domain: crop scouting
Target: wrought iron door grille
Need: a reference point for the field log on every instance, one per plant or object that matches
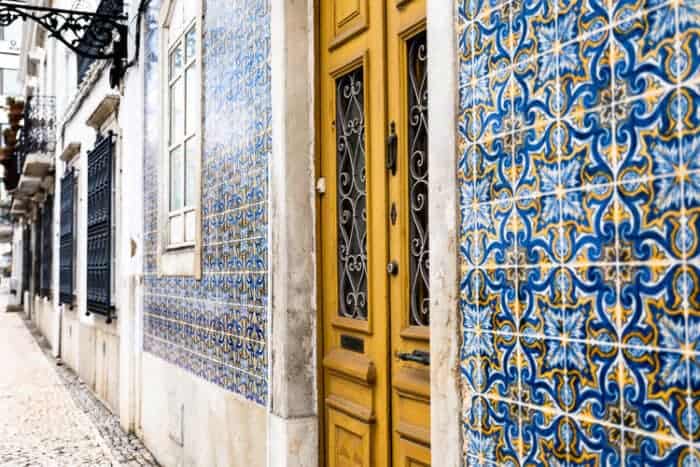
(99, 241)
(419, 244)
(38, 134)
(352, 196)
(66, 253)
(112, 8)
(46, 247)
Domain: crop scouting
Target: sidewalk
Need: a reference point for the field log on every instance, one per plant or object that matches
(41, 421)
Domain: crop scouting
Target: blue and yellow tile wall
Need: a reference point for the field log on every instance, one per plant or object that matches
(580, 231)
(216, 327)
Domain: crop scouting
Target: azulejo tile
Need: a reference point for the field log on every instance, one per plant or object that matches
(590, 303)
(539, 228)
(500, 428)
(647, 135)
(649, 450)
(650, 227)
(652, 301)
(216, 328)
(545, 437)
(585, 142)
(492, 40)
(534, 28)
(588, 224)
(592, 380)
(585, 70)
(655, 391)
(580, 17)
(599, 202)
(536, 95)
(644, 46)
(594, 443)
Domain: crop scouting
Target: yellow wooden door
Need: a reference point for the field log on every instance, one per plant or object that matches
(364, 298)
(407, 114)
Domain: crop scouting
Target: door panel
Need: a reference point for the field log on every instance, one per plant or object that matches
(353, 233)
(376, 406)
(409, 243)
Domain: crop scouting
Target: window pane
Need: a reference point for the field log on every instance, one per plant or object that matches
(190, 11)
(190, 172)
(189, 226)
(176, 179)
(193, 94)
(176, 230)
(190, 43)
(177, 111)
(9, 82)
(176, 61)
(176, 19)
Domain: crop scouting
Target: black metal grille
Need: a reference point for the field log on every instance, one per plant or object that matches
(66, 260)
(46, 247)
(352, 196)
(38, 134)
(37, 256)
(99, 241)
(419, 244)
(112, 8)
(27, 261)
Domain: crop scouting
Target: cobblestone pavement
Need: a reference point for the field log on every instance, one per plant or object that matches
(47, 416)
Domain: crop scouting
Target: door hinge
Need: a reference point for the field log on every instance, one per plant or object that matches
(391, 142)
(321, 186)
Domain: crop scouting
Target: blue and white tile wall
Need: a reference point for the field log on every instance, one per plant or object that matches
(216, 328)
(580, 219)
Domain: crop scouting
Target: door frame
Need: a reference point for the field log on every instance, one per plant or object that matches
(294, 351)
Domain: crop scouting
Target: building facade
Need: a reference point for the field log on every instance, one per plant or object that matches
(422, 232)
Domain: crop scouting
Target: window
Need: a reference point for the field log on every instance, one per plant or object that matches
(181, 77)
(184, 93)
(99, 232)
(67, 252)
(46, 247)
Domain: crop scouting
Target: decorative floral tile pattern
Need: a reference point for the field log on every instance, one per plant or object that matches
(579, 170)
(216, 328)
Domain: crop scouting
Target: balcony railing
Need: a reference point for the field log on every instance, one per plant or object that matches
(108, 8)
(38, 134)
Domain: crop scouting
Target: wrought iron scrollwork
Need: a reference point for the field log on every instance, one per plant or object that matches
(94, 35)
(39, 130)
(351, 196)
(418, 180)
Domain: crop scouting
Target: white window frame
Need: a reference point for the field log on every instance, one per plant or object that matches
(182, 258)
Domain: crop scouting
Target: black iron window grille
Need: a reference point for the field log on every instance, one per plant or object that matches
(99, 235)
(66, 248)
(27, 260)
(38, 258)
(38, 134)
(46, 247)
(106, 8)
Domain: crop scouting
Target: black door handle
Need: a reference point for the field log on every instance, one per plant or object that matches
(417, 356)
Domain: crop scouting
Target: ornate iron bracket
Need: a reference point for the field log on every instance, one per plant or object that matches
(93, 35)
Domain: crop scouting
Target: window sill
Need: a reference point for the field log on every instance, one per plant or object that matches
(180, 261)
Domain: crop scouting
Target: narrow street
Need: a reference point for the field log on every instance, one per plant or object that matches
(47, 416)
